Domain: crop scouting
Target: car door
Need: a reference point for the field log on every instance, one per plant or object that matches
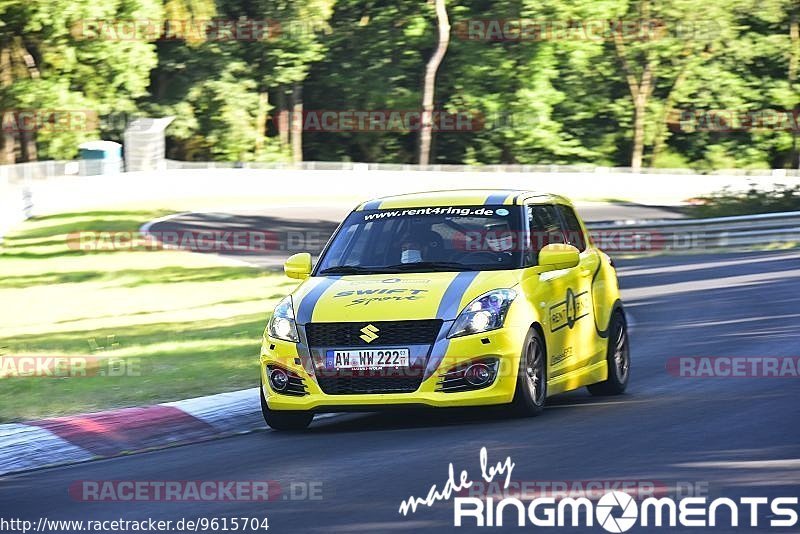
(545, 227)
(579, 305)
(563, 296)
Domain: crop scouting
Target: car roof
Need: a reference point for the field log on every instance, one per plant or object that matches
(463, 197)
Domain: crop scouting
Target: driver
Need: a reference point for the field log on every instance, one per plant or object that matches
(499, 238)
(425, 245)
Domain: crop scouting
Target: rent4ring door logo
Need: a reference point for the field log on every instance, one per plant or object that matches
(569, 311)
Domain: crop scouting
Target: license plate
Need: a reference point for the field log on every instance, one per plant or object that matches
(369, 358)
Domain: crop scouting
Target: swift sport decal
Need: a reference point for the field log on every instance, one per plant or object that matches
(364, 297)
(569, 311)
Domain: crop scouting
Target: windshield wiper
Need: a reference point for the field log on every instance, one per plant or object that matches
(346, 269)
(425, 265)
(398, 268)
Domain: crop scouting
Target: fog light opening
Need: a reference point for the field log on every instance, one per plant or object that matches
(278, 379)
(478, 374)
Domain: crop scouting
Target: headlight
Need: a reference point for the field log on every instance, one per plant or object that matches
(281, 324)
(485, 313)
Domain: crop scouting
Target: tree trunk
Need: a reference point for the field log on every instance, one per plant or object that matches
(794, 57)
(7, 146)
(297, 123)
(282, 122)
(261, 122)
(640, 93)
(7, 140)
(28, 138)
(639, 107)
(28, 144)
(660, 137)
(426, 121)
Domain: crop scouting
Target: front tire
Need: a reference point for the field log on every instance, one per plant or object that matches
(531, 391)
(284, 420)
(618, 358)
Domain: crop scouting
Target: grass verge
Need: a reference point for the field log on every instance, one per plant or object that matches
(153, 325)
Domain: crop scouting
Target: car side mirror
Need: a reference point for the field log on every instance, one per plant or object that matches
(298, 266)
(558, 256)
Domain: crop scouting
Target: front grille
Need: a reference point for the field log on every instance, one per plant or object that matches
(345, 385)
(421, 332)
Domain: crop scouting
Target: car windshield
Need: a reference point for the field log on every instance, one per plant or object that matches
(426, 239)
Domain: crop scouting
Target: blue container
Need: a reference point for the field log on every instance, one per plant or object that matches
(100, 157)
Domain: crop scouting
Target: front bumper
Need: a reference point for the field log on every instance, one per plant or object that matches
(505, 344)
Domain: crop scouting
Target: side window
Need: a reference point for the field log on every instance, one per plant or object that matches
(352, 248)
(575, 235)
(341, 245)
(545, 229)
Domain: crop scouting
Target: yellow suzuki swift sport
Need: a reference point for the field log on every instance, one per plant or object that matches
(444, 299)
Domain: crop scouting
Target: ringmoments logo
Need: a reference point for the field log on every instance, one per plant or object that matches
(615, 511)
(616, 500)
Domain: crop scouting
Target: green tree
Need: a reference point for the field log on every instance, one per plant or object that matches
(51, 62)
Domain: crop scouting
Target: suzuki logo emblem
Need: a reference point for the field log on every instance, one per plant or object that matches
(370, 333)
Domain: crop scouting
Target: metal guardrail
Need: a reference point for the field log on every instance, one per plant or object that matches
(38, 170)
(354, 166)
(694, 235)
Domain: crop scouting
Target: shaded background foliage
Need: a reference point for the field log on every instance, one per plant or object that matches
(546, 101)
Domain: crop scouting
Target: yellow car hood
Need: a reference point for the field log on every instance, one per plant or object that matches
(389, 297)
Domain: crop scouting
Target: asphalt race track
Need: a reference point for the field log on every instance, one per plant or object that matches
(728, 437)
